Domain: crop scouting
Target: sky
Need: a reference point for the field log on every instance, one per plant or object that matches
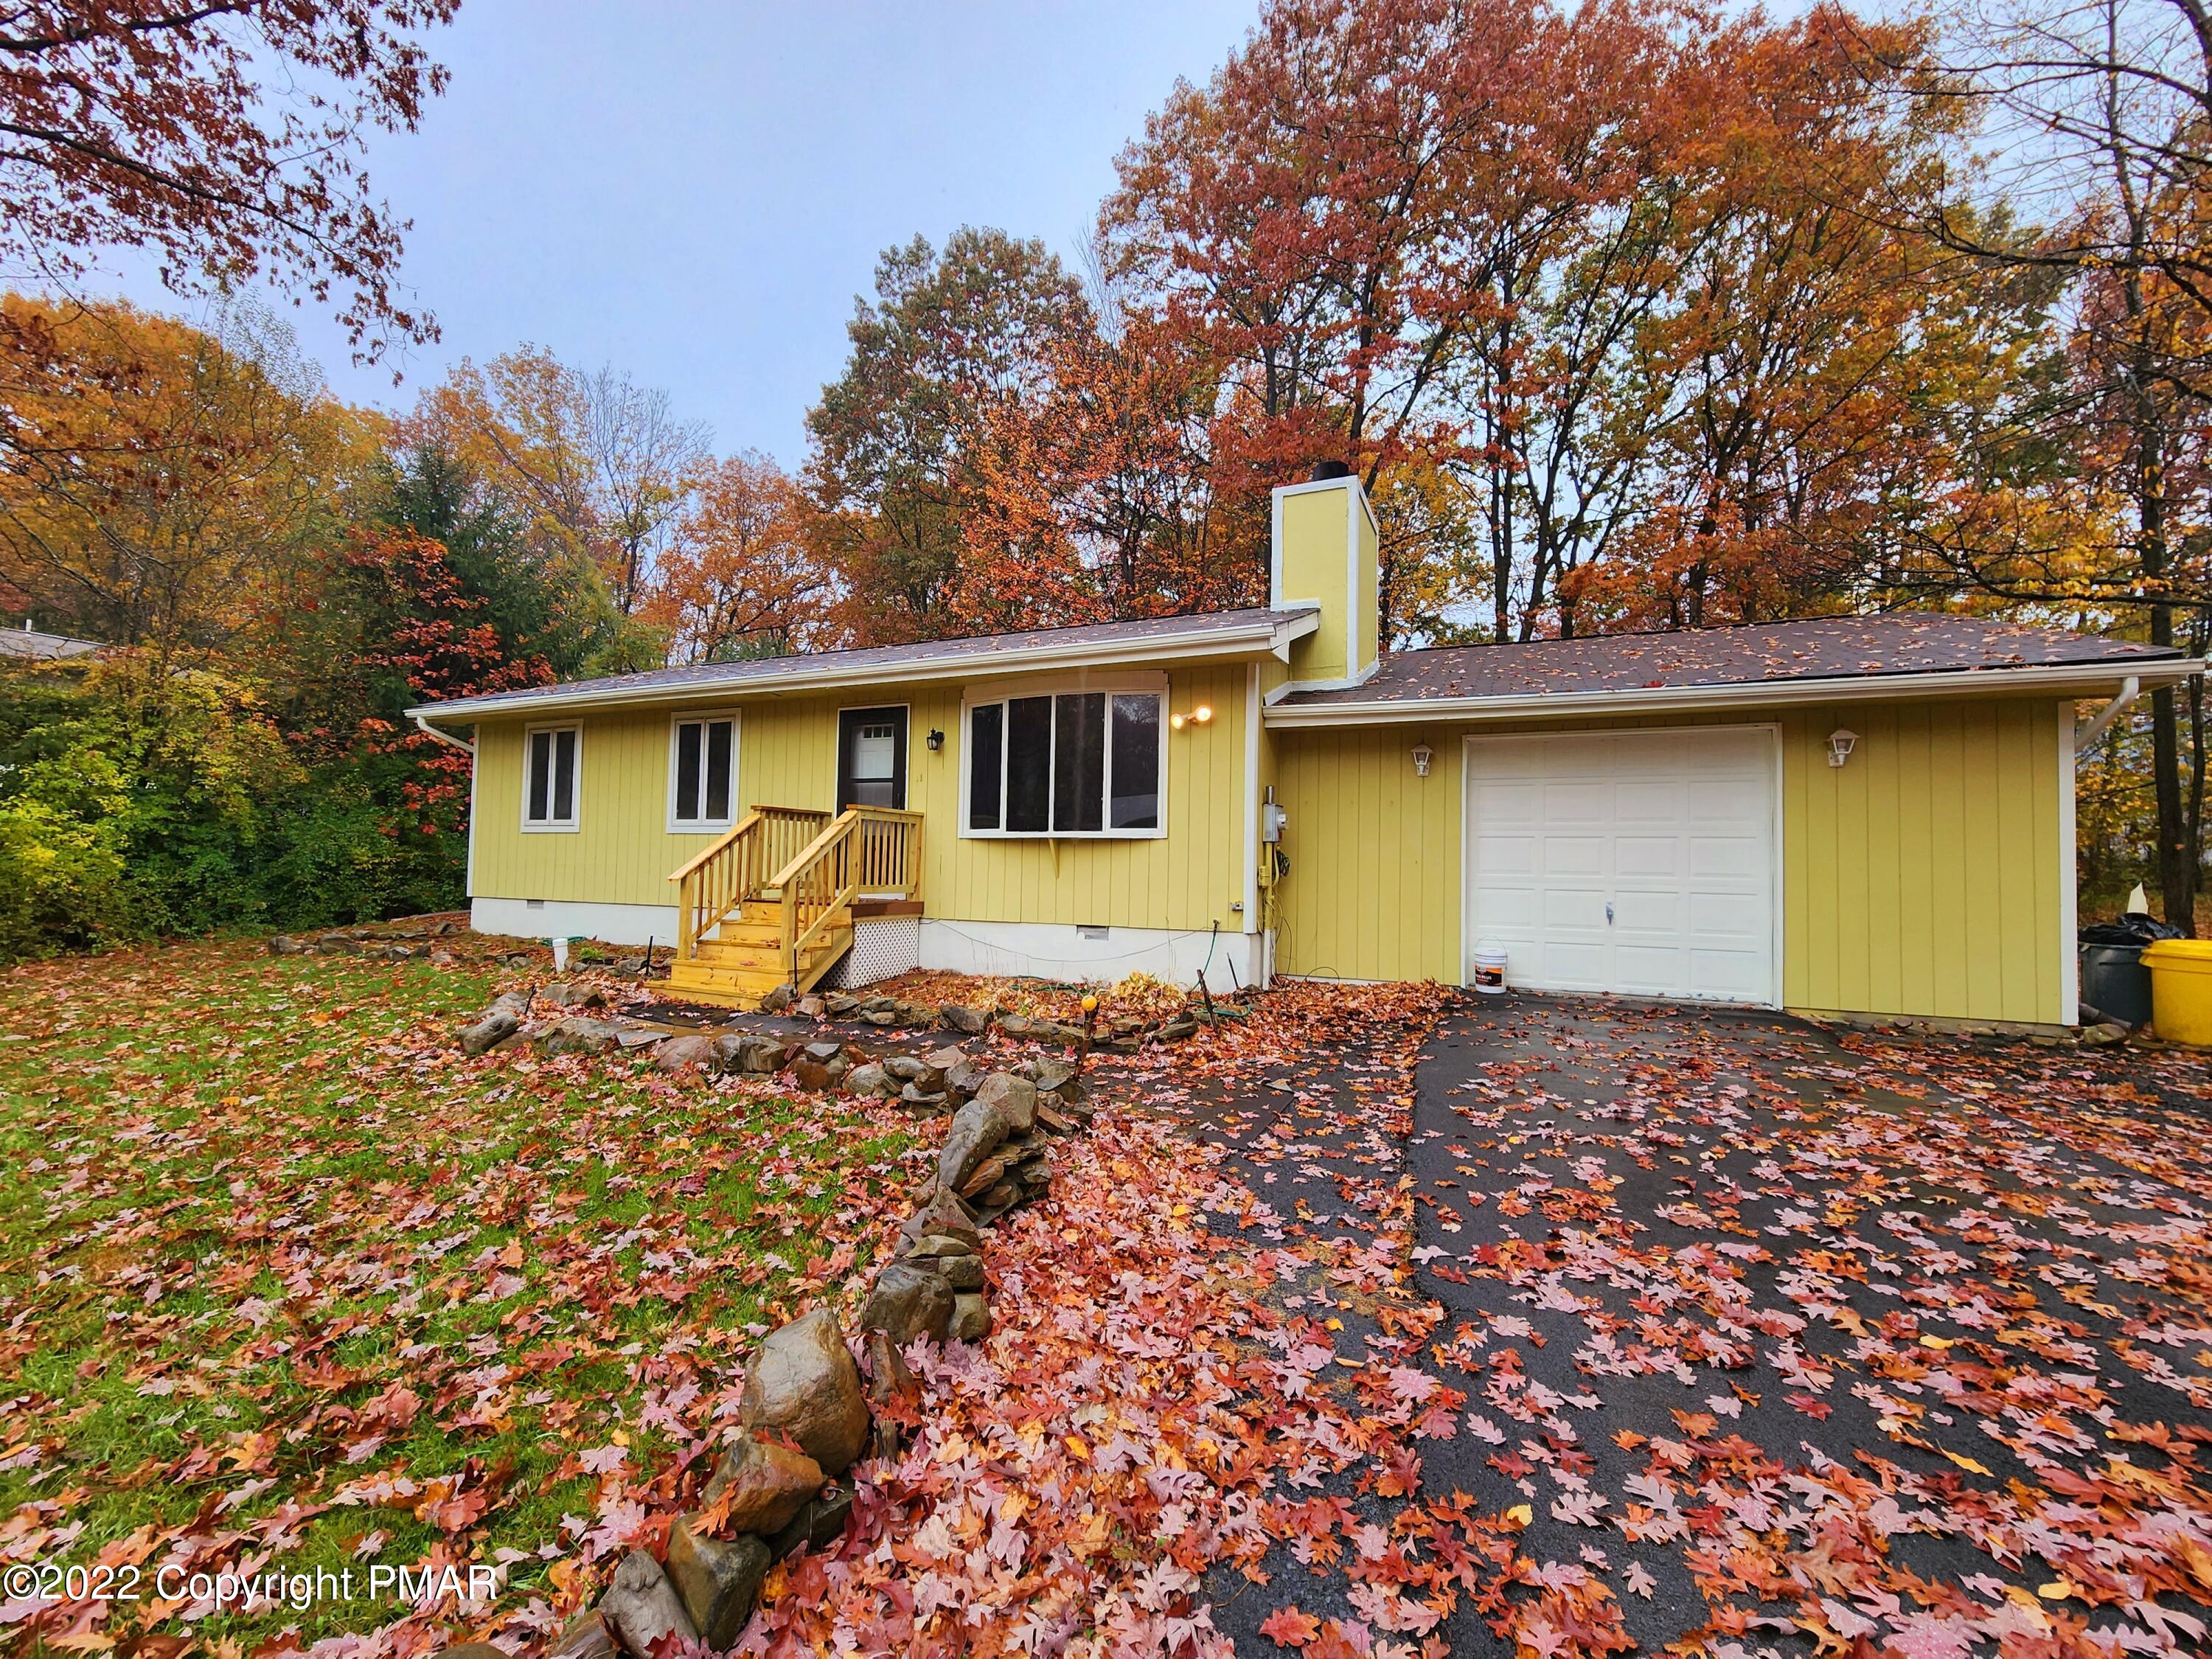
(694, 192)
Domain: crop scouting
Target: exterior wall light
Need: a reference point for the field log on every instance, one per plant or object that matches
(935, 740)
(1422, 756)
(1202, 715)
(1840, 744)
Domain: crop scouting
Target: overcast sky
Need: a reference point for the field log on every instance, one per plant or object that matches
(696, 191)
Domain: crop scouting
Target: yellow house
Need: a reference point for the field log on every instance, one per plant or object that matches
(1869, 815)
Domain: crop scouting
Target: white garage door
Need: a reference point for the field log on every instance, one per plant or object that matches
(1641, 862)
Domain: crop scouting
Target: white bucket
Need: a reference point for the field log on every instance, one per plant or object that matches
(1490, 969)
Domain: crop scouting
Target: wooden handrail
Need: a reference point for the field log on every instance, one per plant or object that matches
(744, 826)
(734, 870)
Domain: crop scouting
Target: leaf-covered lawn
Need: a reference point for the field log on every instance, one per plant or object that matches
(288, 1283)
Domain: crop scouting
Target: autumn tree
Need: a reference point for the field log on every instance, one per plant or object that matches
(740, 578)
(957, 350)
(596, 464)
(2100, 115)
(161, 485)
(151, 123)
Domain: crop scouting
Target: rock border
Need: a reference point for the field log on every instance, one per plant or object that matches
(809, 1411)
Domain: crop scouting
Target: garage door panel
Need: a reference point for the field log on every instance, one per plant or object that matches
(1642, 857)
(1499, 857)
(1674, 831)
(1575, 859)
(1649, 802)
(1725, 857)
(1512, 909)
(1509, 804)
(1570, 967)
(1716, 916)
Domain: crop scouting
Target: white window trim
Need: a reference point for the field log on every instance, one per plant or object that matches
(678, 826)
(575, 821)
(1003, 691)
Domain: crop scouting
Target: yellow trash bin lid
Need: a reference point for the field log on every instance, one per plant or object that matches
(2185, 955)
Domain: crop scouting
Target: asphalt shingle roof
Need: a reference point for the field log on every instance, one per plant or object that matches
(978, 649)
(1827, 647)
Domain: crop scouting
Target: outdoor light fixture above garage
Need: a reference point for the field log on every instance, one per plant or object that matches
(1422, 756)
(1840, 744)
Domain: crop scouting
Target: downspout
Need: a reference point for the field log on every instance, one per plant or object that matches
(469, 749)
(2130, 689)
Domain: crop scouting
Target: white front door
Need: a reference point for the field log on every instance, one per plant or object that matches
(1642, 862)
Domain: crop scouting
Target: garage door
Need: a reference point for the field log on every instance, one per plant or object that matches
(1637, 862)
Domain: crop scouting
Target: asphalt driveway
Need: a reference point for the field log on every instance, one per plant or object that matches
(1763, 1341)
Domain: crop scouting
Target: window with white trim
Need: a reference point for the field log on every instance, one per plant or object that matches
(702, 766)
(550, 754)
(1066, 763)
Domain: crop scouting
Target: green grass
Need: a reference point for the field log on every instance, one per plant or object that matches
(252, 1197)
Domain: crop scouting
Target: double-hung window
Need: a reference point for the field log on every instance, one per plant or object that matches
(549, 755)
(1066, 763)
(702, 763)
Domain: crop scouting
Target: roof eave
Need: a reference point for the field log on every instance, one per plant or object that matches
(1263, 635)
(2053, 679)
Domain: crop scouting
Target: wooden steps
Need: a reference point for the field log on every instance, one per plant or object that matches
(742, 961)
(730, 949)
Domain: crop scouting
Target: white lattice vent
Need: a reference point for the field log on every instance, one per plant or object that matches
(882, 947)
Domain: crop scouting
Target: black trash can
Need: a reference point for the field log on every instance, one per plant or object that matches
(2115, 982)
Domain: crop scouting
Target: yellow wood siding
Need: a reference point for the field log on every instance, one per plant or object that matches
(621, 852)
(1921, 878)
(1313, 555)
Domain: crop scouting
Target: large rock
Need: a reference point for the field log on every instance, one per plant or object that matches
(915, 1099)
(871, 1079)
(283, 944)
(752, 1053)
(804, 1382)
(579, 1033)
(908, 1301)
(1056, 1077)
(641, 1606)
(718, 1578)
(563, 994)
(977, 1130)
(679, 1053)
(971, 1317)
(959, 1018)
(965, 1079)
(1014, 1096)
(489, 1029)
(585, 1637)
(813, 1073)
(961, 1273)
(944, 1213)
(777, 1000)
(767, 1482)
(820, 1523)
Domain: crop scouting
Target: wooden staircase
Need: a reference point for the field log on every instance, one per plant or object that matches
(772, 902)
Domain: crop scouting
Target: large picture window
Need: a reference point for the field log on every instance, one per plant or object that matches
(701, 772)
(549, 777)
(1066, 763)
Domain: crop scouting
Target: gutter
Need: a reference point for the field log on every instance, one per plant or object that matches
(2130, 689)
(1273, 634)
(447, 737)
(2052, 678)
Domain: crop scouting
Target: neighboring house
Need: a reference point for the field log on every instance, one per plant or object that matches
(27, 641)
(1862, 814)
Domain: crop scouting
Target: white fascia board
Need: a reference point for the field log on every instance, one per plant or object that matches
(2086, 679)
(1270, 632)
